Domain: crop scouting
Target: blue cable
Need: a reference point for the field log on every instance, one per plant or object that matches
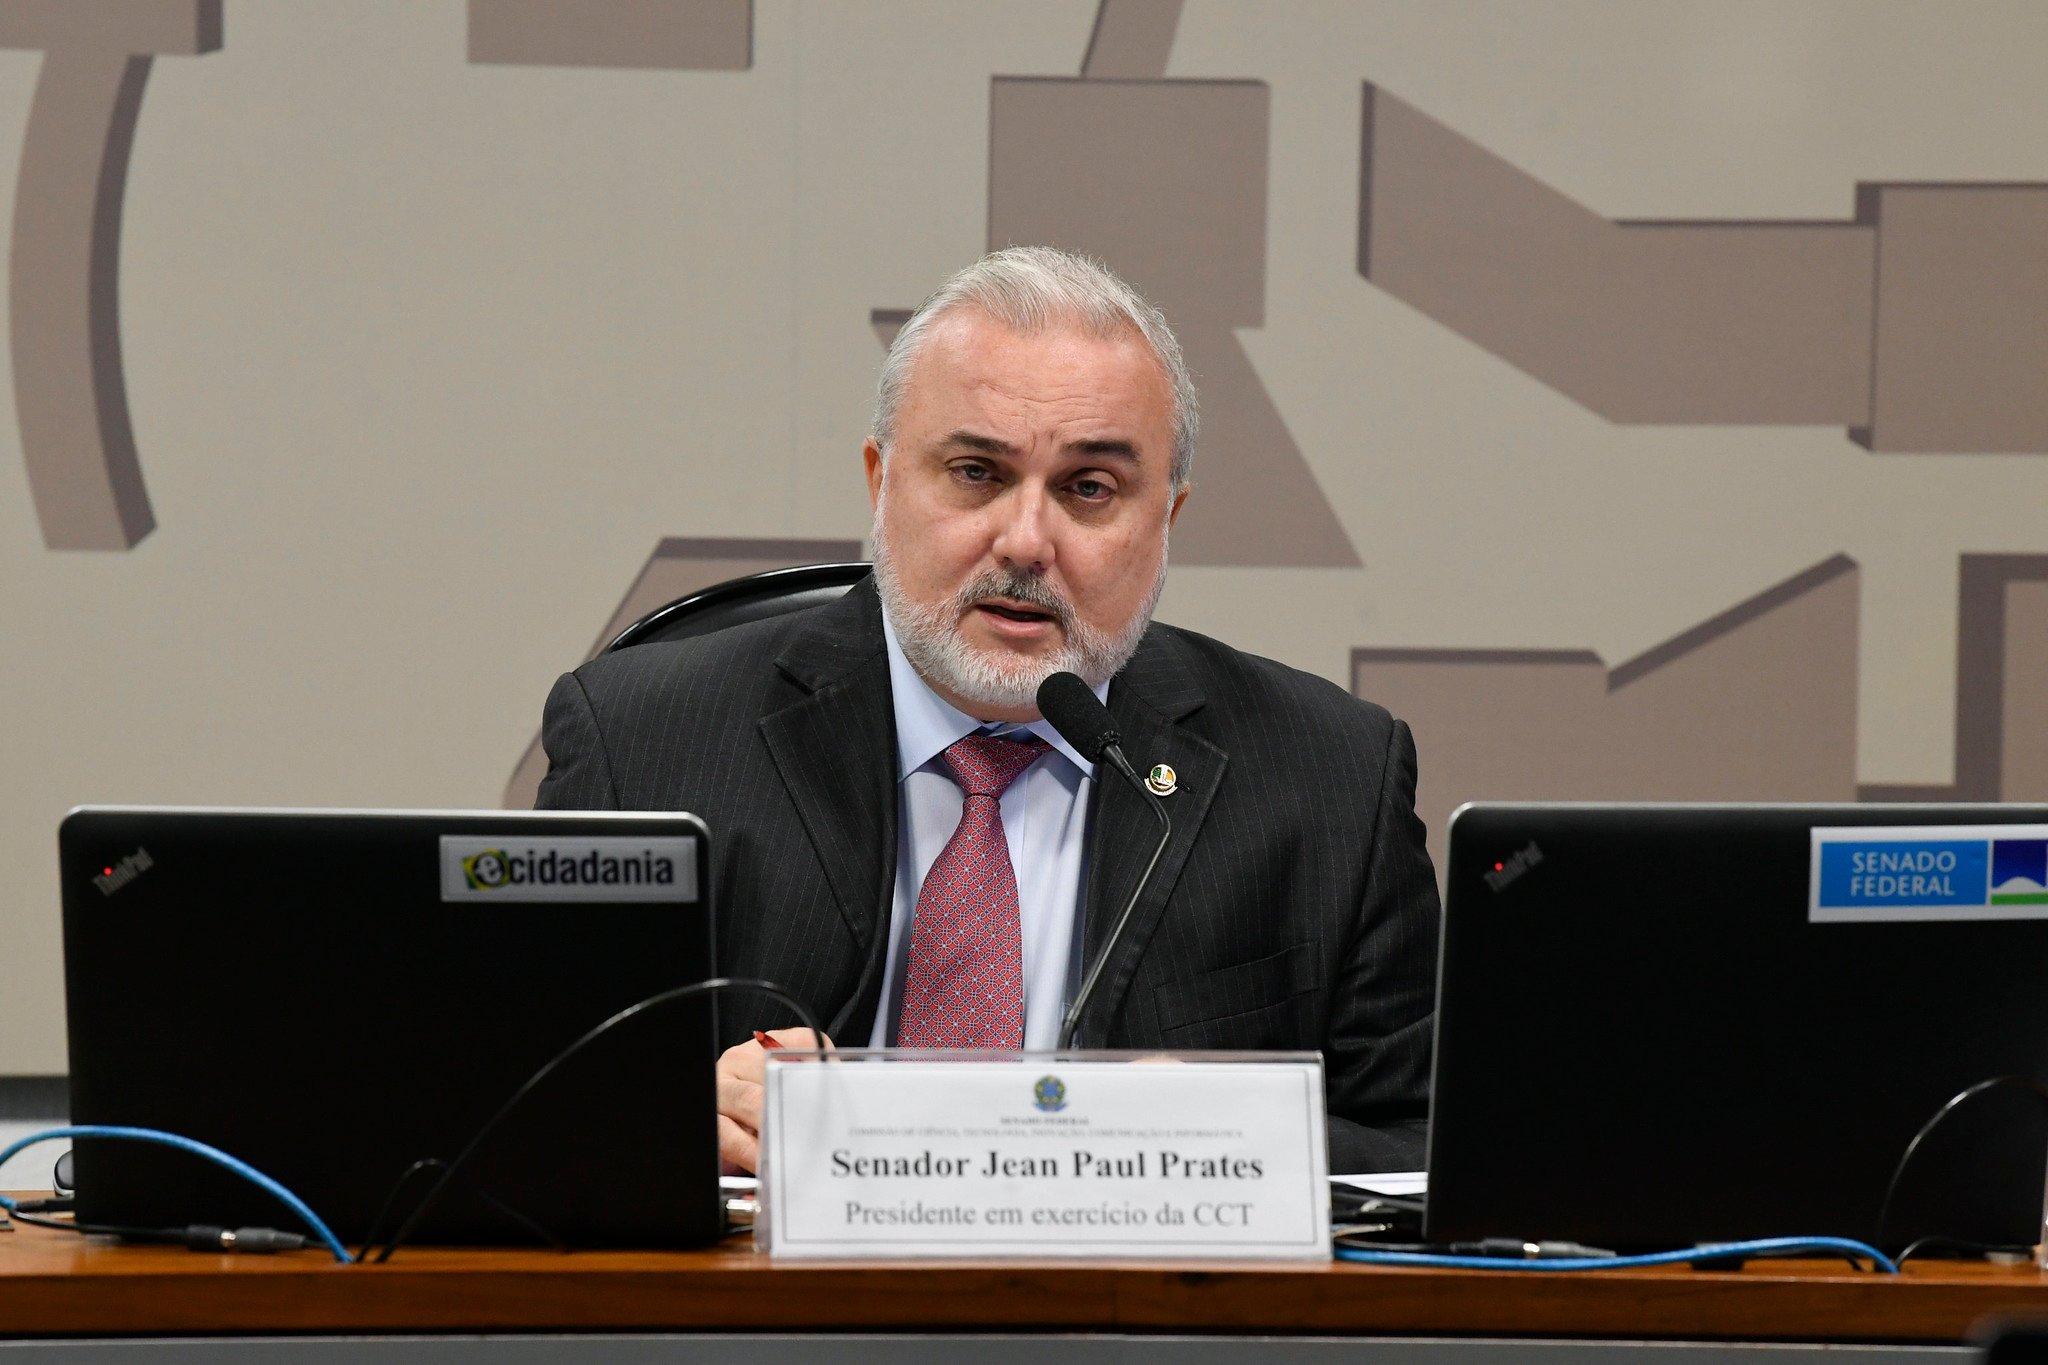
(1714, 1252)
(185, 1144)
(1762, 1246)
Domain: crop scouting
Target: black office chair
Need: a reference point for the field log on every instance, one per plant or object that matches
(738, 600)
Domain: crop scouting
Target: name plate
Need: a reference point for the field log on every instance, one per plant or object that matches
(894, 1153)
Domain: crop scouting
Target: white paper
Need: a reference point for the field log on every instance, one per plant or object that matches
(1388, 1182)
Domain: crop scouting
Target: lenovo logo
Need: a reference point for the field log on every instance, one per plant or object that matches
(1505, 872)
(117, 875)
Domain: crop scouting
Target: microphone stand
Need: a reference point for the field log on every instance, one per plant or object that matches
(1114, 752)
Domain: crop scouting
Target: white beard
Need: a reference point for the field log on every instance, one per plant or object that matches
(931, 639)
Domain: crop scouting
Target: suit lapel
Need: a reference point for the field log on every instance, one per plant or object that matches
(835, 752)
(1147, 701)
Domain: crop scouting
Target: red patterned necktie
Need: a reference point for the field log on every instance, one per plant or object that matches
(964, 986)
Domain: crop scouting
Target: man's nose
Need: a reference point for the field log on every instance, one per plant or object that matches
(1023, 536)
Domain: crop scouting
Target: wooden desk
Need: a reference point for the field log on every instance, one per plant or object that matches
(58, 1284)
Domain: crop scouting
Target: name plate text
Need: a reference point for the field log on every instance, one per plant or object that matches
(891, 1154)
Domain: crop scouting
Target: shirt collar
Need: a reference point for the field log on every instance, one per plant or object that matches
(926, 723)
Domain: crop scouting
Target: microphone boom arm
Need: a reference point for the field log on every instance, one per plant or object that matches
(1113, 752)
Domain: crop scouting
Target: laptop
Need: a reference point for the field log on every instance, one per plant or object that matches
(1664, 1025)
(333, 996)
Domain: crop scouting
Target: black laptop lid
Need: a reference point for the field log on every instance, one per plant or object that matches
(1646, 1037)
(333, 996)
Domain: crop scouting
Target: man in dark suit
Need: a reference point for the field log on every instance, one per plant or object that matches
(902, 841)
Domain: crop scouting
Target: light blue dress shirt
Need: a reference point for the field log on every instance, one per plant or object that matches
(1045, 820)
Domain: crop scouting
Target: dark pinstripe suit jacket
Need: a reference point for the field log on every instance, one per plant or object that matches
(1294, 908)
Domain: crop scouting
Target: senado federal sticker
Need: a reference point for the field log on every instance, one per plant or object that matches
(1911, 873)
(509, 867)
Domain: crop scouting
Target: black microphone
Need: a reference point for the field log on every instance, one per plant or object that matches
(1069, 705)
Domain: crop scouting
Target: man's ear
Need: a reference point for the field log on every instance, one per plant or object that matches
(1173, 514)
(871, 457)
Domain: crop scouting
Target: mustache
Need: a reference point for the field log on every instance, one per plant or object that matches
(1030, 589)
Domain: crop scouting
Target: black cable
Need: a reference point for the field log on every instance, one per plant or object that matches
(1358, 1195)
(1967, 1248)
(195, 1236)
(532, 1225)
(429, 1163)
(391, 1199)
(1365, 1242)
(1115, 754)
(652, 1002)
(62, 1203)
(36, 1220)
(1855, 1261)
(1891, 1189)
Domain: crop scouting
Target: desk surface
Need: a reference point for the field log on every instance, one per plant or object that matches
(54, 1283)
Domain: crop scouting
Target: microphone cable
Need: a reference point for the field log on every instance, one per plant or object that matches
(1072, 1023)
(633, 1011)
(2026, 1084)
(1071, 707)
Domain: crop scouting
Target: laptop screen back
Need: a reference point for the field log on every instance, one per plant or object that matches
(334, 996)
(1648, 1037)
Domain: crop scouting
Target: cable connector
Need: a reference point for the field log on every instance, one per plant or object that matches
(62, 1203)
(123, 1132)
(255, 1241)
(1513, 1249)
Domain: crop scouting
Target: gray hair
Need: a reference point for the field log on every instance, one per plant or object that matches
(1029, 288)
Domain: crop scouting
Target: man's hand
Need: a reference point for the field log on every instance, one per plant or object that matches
(740, 1071)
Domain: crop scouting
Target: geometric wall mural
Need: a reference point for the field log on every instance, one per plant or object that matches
(1165, 182)
(2001, 723)
(78, 441)
(1757, 703)
(428, 310)
(63, 296)
(671, 35)
(1916, 326)
(659, 35)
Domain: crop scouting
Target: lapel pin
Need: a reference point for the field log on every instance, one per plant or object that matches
(1162, 780)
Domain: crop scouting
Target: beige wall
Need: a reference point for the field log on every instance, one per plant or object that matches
(426, 357)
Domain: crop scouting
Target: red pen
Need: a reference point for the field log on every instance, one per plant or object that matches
(765, 1041)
